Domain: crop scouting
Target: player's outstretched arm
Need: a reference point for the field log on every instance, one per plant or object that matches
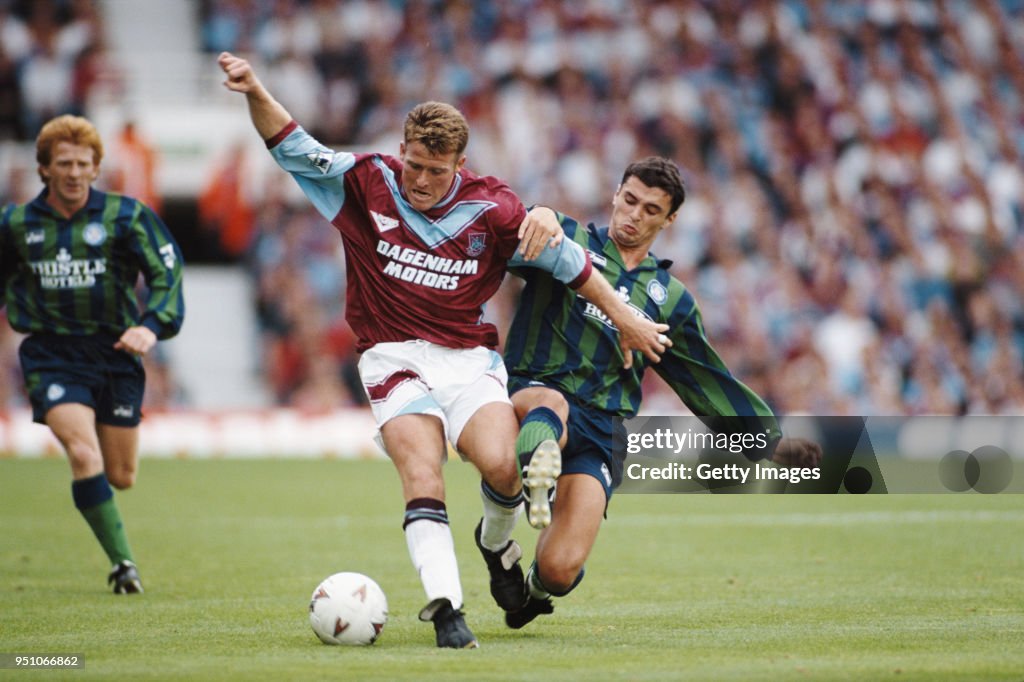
(268, 115)
(635, 332)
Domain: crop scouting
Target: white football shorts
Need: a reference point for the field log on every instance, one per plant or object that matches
(419, 377)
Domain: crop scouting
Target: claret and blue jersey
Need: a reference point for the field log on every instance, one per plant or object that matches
(412, 274)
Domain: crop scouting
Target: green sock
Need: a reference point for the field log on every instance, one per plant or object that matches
(105, 521)
(95, 501)
(540, 424)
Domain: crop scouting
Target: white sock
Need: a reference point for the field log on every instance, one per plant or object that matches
(500, 516)
(432, 551)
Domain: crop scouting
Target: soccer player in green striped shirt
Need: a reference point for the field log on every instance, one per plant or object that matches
(69, 262)
(568, 378)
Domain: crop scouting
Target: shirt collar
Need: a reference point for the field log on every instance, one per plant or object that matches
(611, 250)
(92, 204)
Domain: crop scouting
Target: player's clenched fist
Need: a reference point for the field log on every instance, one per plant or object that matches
(241, 77)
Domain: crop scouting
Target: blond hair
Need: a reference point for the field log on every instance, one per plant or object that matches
(67, 128)
(439, 127)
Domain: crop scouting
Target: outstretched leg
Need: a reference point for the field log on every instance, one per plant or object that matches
(563, 547)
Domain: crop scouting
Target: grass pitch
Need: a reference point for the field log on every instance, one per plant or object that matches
(696, 587)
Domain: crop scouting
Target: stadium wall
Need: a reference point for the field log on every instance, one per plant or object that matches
(237, 434)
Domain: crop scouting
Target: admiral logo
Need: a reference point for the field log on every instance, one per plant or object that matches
(321, 160)
(599, 261)
(35, 237)
(125, 411)
(384, 223)
(477, 243)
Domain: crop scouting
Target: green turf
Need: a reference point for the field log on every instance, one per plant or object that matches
(702, 587)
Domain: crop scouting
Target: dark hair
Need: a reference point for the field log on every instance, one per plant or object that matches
(657, 171)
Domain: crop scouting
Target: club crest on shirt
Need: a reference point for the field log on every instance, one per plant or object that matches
(54, 392)
(94, 234)
(477, 244)
(657, 291)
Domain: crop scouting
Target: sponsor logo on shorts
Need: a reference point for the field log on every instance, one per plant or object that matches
(125, 411)
(607, 474)
(55, 392)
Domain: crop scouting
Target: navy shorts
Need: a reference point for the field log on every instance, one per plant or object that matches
(83, 369)
(588, 447)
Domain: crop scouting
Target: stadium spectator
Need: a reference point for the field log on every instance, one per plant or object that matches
(69, 261)
(226, 215)
(415, 299)
(132, 166)
(49, 61)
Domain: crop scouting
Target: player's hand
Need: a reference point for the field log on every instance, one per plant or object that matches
(540, 228)
(241, 77)
(136, 340)
(797, 452)
(640, 334)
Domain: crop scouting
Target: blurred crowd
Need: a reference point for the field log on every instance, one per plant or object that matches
(853, 227)
(51, 58)
(856, 198)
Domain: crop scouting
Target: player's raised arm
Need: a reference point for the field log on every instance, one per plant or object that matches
(268, 115)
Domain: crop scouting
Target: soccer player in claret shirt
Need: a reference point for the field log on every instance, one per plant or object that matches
(427, 243)
(69, 262)
(569, 380)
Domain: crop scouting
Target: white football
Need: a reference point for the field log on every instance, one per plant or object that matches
(348, 608)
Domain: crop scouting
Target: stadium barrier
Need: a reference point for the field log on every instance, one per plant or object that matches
(285, 433)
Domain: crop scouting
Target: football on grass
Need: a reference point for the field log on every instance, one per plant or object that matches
(348, 608)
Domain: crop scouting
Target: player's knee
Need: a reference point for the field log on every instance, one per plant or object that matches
(557, 402)
(422, 481)
(83, 455)
(505, 480)
(122, 478)
(561, 572)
